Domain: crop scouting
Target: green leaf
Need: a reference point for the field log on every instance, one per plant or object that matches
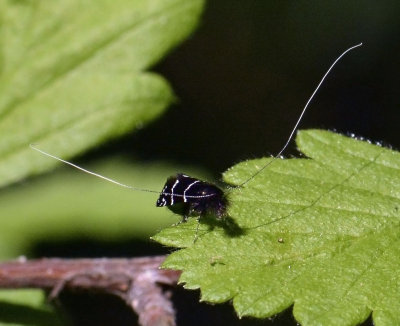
(26, 307)
(72, 73)
(321, 234)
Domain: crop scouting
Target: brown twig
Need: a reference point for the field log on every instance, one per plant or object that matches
(137, 281)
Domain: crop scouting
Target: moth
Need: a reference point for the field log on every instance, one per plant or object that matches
(198, 197)
(189, 196)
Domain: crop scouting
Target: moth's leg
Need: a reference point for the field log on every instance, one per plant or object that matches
(186, 213)
(196, 235)
(189, 211)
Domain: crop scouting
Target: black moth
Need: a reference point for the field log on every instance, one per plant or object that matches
(189, 196)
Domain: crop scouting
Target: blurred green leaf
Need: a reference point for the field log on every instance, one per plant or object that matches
(26, 307)
(319, 233)
(72, 73)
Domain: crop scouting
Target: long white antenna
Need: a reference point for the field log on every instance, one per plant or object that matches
(301, 115)
(108, 179)
(203, 196)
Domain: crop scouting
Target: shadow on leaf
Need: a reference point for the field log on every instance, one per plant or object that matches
(228, 224)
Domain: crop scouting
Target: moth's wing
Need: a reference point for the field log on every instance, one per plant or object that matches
(174, 190)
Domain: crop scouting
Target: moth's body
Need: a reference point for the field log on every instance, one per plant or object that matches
(188, 196)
